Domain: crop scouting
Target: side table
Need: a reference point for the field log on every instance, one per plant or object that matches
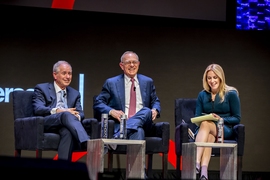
(135, 157)
(228, 159)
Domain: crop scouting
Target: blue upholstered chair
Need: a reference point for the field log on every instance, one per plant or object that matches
(184, 110)
(157, 141)
(29, 130)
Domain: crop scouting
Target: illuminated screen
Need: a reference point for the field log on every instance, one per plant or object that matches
(253, 15)
(214, 10)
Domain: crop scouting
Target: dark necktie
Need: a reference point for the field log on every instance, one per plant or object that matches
(132, 102)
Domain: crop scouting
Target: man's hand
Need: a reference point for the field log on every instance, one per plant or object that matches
(71, 110)
(116, 114)
(154, 114)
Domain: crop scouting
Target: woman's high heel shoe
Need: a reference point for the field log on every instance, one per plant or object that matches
(203, 178)
(197, 170)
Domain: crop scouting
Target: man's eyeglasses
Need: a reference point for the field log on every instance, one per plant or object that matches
(130, 62)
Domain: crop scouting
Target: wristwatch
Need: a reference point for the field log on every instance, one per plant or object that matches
(53, 111)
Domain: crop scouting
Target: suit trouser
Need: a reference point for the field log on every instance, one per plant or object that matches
(140, 122)
(69, 128)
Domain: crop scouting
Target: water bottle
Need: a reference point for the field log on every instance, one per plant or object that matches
(104, 126)
(220, 137)
(123, 129)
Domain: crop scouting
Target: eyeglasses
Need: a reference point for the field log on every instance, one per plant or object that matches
(130, 62)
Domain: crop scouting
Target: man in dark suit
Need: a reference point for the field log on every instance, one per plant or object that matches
(63, 112)
(114, 98)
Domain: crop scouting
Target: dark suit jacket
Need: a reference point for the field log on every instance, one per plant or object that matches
(45, 99)
(112, 95)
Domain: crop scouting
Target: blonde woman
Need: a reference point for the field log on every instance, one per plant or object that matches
(223, 101)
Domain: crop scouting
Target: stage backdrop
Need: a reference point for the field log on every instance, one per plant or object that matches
(174, 52)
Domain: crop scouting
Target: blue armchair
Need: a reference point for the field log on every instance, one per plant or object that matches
(29, 130)
(184, 110)
(157, 141)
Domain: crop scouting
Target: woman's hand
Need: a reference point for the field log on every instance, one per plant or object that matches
(216, 116)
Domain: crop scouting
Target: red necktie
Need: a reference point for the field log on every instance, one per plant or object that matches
(132, 102)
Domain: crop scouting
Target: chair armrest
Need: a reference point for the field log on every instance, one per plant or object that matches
(111, 128)
(161, 130)
(181, 136)
(239, 133)
(29, 131)
(91, 127)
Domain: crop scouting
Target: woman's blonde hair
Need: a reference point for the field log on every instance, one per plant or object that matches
(223, 87)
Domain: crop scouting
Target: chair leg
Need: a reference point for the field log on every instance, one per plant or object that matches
(118, 162)
(178, 162)
(110, 161)
(149, 165)
(38, 153)
(17, 153)
(165, 165)
(239, 167)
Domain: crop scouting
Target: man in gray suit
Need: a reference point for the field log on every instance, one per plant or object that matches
(60, 104)
(114, 98)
